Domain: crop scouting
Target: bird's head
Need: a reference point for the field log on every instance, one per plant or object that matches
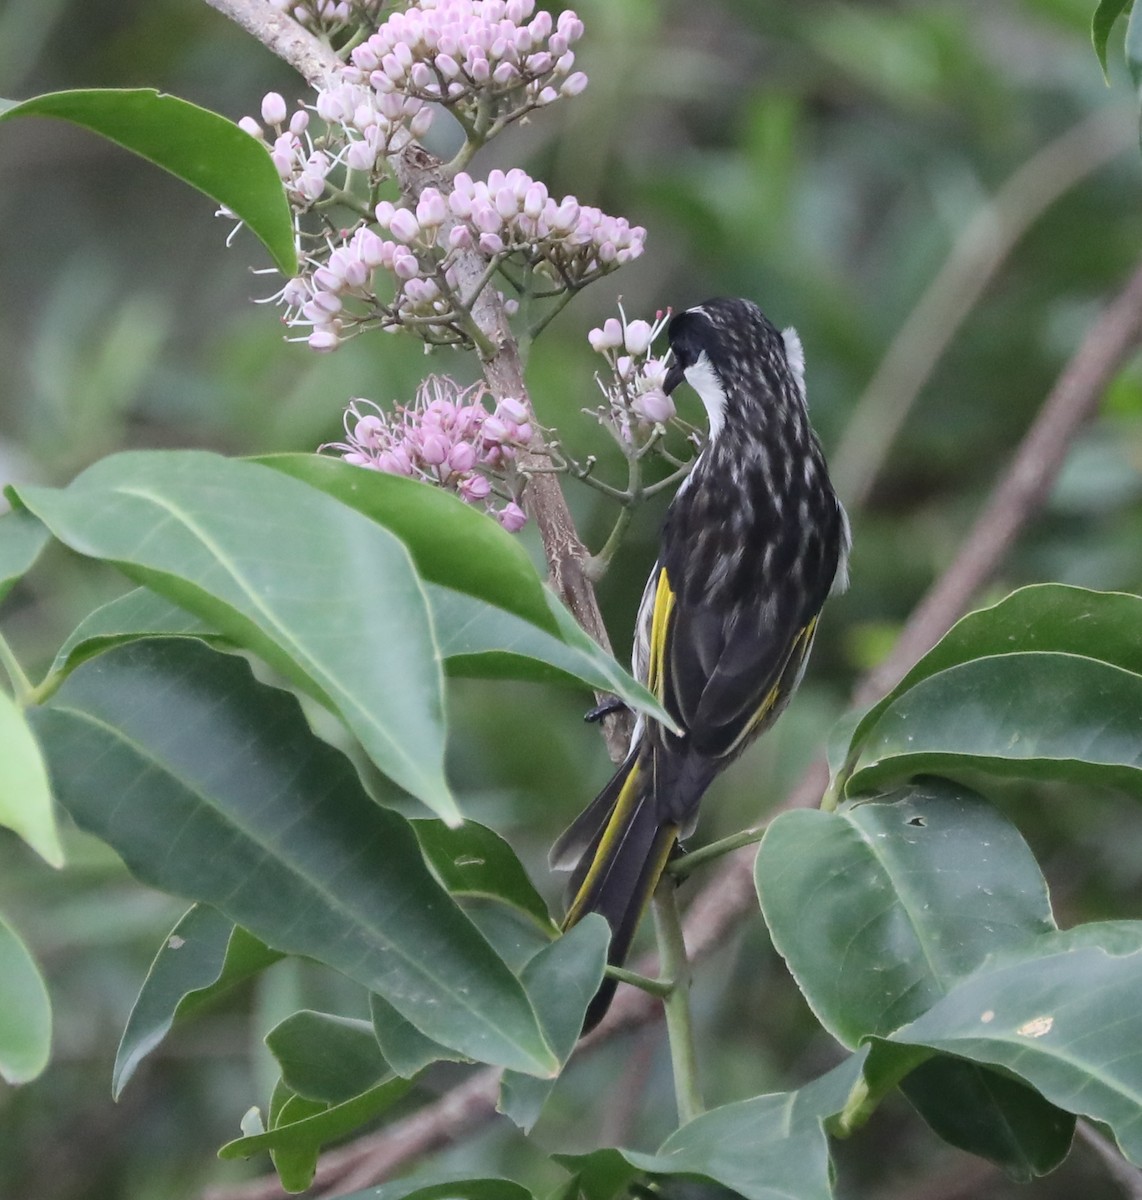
(736, 359)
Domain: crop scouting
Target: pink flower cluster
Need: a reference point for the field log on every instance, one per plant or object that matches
(329, 15)
(486, 59)
(636, 385)
(509, 214)
(448, 437)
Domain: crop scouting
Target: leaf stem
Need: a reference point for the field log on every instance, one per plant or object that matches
(682, 866)
(656, 987)
(679, 1026)
(21, 684)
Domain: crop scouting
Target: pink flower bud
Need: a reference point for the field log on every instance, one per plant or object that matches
(638, 337)
(511, 307)
(491, 243)
(534, 200)
(462, 457)
(459, 237)
(475, 488)
(434, 449)
(503, 74)
(447, 66)
(273, 109)
(323, 340)
(548, 96)
(361, 157)
(405, 264)
(403, 225)
(299, 122)
(540, 28)
(494, 430)
(384, 213)
(506, 204)
(421, 123)
(431, 209)
(574, 84)
(370, 247)
(512, 517)
(369, 431)
(653, 405)
(250, 126)
(512, 409)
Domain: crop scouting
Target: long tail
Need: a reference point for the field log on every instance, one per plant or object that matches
(622, 848)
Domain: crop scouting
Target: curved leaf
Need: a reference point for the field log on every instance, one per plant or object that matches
(1043, 617)
(879, 908)
(403, 1046)
(197, 146)
(322, 593)
(1034, 715)
(326, 1057)
(136, 614)
(1069, 1024)
(301, 1140)
(1102, 22)
(25, 797)
(25, 1011)
(212, 786)
(22, 538)
(474, 860)
(202, 956)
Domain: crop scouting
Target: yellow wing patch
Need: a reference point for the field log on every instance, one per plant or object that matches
(659, 626)
(797, 652)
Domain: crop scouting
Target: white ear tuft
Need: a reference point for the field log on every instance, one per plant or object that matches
(795, 354)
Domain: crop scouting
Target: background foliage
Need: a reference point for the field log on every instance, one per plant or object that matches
(822, 158)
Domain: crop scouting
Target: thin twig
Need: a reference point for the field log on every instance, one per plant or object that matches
(724, 902)
(283, 36)
(980, 250)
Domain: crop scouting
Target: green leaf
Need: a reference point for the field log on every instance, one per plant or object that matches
(767, 1148)
(197, 146)
(881, 907)
(273, 828)
(297, 1143)
(599, 1175)
(1102, 22)
(1069, 1024)
(403, 1046)
(203, 956)
(561, 980)
(138, 613)
(469, 558)
(22, 538)
(326, 1057)
(1043, 617)
(25, 796)
(1134, 48)
(322, 593)
(1037, 715)
(451, 543)
(987, 1113)
(25, 1011)
(474, 860)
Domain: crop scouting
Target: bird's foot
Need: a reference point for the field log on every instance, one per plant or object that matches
(607, 708)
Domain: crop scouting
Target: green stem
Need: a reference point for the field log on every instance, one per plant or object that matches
(21, 684)
(596, 566)
(549, 316)
(679, 1026)
(682, 866)
(656, 987)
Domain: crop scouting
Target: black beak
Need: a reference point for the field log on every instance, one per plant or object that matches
(675, 374)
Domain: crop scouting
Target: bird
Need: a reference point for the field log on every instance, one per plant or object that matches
(752, 543)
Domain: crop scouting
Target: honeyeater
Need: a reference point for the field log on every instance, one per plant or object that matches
(752, 544)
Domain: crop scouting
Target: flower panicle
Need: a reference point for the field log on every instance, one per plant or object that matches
(448, 436)
(634, 387)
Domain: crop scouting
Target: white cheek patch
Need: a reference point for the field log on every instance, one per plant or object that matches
(704, 380)
(795, 356)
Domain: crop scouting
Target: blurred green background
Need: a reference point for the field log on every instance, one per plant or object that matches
(823, 158)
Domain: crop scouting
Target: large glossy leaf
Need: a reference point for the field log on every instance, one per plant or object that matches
(452, 544)
(25, 798)
(301, 1140)
(403, 1046)
(1047, 617)
(561, 980)
(202, 956)
(883, 906)
(22, 538)
(1039, 715)
(1068, 1023)
(136, 614)
(767, 1148)
(198, 146)
(324, 594)
(212, 786)
(326, 1057)
(474, 860)
(469, 558)
(25, 1011)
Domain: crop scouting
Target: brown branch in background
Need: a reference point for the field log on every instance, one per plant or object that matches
(282, 35)
(975, 258)
(730, 897)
